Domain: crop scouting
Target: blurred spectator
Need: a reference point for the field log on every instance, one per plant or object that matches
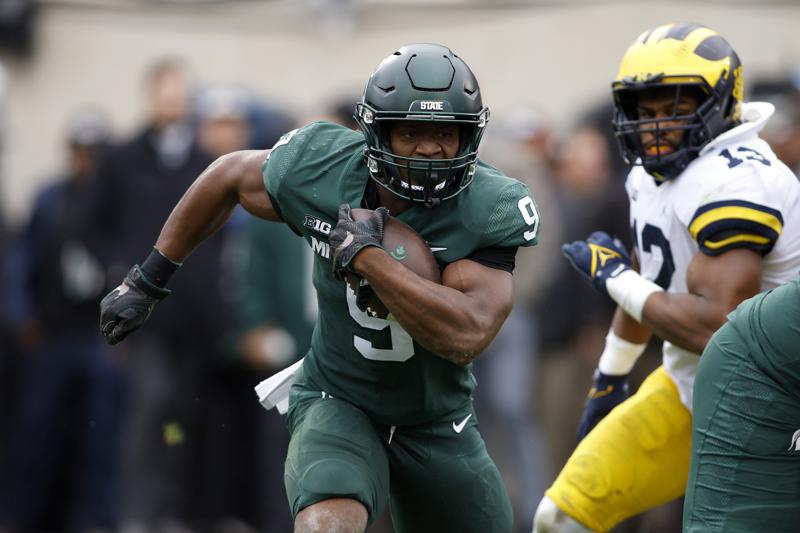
(268, 292)
(8, 359)
(521, 146)
(139, 182)
(588, 196)
(782, 132)
(8, 356)
(267, 124)
(223, 120)
(231, 117)
(341, 112)
(69, 404)
(17, 19)
(276, 309)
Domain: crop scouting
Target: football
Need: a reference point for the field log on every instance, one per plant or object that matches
(405, 245)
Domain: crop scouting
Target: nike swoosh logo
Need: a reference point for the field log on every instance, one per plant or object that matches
(459, 427)
(438, 249)
(594, 393)
(347, 241)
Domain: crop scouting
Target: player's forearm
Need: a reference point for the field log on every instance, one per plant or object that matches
(232, 179)
(686, 320)
(441, 319)
(629, 329)
(202, 210)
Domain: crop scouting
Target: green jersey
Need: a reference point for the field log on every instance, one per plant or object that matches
(370, 362)
(769, 324)
(745, 439)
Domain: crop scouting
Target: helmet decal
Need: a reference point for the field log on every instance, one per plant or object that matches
(738, 94)
(430, 73)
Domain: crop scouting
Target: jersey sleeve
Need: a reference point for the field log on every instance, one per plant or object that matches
(303, 170)
(726, 224)
(279, 163)
(514, 220)
(738, 205)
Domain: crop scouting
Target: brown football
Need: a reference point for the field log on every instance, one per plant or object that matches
(405, 245)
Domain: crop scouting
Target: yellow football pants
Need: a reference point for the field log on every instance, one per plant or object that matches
(635, 459)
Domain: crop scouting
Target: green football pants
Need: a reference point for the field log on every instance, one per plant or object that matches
(438, 476)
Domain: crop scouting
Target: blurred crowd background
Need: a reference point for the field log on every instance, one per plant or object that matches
(108, 111)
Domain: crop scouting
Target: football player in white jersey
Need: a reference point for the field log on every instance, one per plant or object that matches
(716, 219)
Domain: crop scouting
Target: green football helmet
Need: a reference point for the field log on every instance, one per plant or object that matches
(680, 57)
(428, 83)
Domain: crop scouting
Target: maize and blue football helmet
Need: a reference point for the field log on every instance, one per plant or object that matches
(683, 57)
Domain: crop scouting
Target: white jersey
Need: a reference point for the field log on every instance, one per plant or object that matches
(736, 193)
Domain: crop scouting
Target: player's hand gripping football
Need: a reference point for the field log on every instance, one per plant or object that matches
(349, 236)
(598, 258)
(606, 393)
(127, 307)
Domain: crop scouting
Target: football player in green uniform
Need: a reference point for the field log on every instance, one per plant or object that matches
(745, 468)
(381, 408)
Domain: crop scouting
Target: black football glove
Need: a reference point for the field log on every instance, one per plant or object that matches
(127, 307)
(349, 237)
(606, 393)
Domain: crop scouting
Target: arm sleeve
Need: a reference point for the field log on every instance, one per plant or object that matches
(496, 257)
(720, 226)
(277, 167)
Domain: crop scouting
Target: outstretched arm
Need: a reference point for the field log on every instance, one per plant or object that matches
(232, 179)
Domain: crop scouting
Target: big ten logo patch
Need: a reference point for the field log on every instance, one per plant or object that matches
(318, 225)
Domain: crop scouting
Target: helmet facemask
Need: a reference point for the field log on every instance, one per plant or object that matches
(681, 57)
(425, 83)
(697, 127)
(417, 179)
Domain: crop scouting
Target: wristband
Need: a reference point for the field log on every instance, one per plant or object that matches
(619, 355)
(138, 279)
(630, 291)
(158, 268)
